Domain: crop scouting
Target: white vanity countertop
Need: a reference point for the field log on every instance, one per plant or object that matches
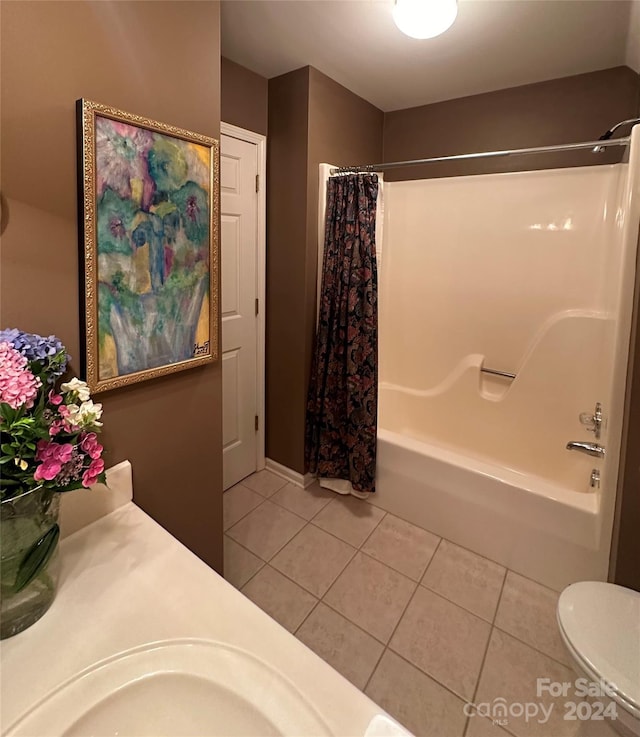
(124, 582)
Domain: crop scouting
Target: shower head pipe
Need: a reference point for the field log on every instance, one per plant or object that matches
(608, 134)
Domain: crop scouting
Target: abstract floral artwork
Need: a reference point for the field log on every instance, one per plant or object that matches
(149, 246)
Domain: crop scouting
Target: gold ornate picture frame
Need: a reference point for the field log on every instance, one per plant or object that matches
(148, 213)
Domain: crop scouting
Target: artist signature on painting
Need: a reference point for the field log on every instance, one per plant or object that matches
(201, 349)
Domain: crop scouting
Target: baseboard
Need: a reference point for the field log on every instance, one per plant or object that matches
(293, 477)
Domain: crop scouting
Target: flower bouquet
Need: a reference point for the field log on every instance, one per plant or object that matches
(48, 444)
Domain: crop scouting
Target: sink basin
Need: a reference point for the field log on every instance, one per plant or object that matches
(174, 688)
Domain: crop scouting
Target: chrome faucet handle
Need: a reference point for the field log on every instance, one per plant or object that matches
(591, 449)
(593, 422)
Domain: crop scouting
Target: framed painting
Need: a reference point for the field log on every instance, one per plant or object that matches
(148, 215)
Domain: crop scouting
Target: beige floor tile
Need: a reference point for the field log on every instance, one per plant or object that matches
(510, 672)
(481, 727)
(402, 546)
(314, 559)
(465, 578)
(279, 597)
(350, 519)
(415, 700)
(443, 640)
(347, 648)
(264, 482)
(267, 529)
(239, 564)
(238, 502)
(371, 595)
(304, 502)
(527, 611)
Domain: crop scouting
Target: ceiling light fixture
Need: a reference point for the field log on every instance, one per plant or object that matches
(424, 18)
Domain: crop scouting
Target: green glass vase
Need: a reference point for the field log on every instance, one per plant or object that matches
(29, 534)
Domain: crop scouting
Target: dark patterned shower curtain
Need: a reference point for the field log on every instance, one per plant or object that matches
(342, 405)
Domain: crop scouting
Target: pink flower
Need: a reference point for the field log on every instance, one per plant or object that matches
(18, 386)
(52, 456)
(90, 476)
(56, 427)
(54, 398)
(66, 423)
(47, 470)
(47, 450)
(90, 445)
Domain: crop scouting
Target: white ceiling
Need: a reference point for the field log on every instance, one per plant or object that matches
(493, 44)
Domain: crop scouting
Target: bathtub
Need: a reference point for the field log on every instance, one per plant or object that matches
(538, 529)
(482, 460)
(530, 274)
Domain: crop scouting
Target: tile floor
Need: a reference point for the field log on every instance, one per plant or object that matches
(419, 624)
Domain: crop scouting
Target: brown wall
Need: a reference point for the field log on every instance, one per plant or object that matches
(243, 97)
(286, 252)
(566, 110)
(312, 119)
(163, 63)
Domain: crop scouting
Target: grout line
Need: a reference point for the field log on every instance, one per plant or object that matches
(286, 509)
(391, 568)
(408, 521)
(252, 576)
(532, 647)
(353, 624)
(442, 595)
(495, 614)
(302, 585)
(342, 614)
(455, 603)
(317, 527)
(328, 501)
(430, 677)
(435, 552)
(313, 608)
(255, 573)
(375, 527)
(373, 670)
(351, 545)
(302, 519)
(262, 567)
(397, 624)
(255, 555)
(533, 580)
(486, 649)
(337, 576)
(269, 473)
(284, 544)
(269, 614)
(263, 500)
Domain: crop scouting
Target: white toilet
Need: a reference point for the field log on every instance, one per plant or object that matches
(600, 625)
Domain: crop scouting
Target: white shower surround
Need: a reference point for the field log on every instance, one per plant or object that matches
(532, 511)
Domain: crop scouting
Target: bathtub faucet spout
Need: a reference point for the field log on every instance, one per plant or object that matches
(591, 449)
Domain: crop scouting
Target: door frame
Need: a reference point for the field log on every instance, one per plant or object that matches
(260, 141)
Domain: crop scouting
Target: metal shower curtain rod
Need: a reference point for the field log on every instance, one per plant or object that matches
(596, 146)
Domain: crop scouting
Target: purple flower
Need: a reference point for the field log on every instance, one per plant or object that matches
(48, 352)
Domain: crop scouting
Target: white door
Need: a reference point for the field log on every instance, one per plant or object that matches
(239, 250)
